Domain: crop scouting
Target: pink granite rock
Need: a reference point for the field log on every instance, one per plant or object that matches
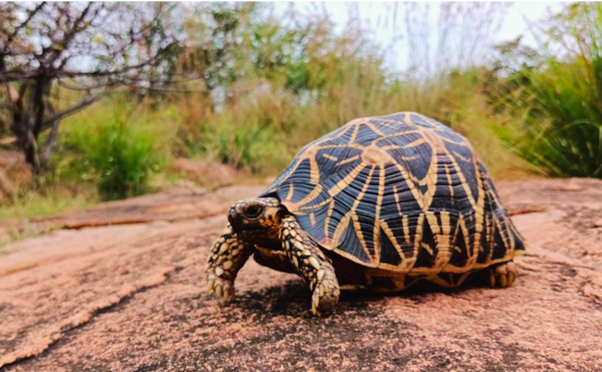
(131, 298)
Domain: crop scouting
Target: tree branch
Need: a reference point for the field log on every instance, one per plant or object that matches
(75, 29)
(12, 76)
(12, 36)
(169, 89)
(138, 66)
(105, 84)
(80, 106)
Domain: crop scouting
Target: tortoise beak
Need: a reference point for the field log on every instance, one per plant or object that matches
(234, 218)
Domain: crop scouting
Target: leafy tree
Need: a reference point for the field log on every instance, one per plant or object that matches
(58, 58)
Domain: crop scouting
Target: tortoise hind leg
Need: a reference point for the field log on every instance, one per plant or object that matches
(311, 264)
(502, 275)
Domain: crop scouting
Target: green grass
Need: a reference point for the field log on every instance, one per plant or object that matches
(556, 105)
(248, 141)
(49, 203)
(53, 201)
(261, 133)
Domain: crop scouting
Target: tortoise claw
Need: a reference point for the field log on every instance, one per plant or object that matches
(223, 288)
(324, 298)
(503, 275)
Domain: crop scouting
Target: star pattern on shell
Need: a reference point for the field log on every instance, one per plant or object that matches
(401, 192)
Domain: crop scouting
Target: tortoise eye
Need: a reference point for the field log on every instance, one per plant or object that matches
(253, 211)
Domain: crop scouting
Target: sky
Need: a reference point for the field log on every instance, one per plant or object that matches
(521, 14)
(432, 36)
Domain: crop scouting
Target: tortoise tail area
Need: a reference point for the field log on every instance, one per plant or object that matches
(519, 244)
(506, 235)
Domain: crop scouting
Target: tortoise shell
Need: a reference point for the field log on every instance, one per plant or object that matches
(401, 193)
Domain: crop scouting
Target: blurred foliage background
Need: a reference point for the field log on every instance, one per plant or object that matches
(247, 87)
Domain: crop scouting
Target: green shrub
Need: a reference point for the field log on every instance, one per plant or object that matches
(119, 147)
(555, 97)
(244, 138)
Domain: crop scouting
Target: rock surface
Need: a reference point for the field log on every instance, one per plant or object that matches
(128, 295)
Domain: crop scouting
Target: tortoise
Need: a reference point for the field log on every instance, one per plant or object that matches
(378, 205)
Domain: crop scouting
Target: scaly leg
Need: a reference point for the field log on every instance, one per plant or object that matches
(226, 258)
(502, 275)
(311, 264)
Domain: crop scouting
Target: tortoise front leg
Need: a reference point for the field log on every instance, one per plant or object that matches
(311, 264)
(228, 255)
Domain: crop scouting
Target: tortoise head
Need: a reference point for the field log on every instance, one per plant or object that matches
(257, 218)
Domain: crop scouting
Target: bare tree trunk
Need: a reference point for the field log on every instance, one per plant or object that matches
(31, 154)
(48, 147)
(23, 123)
